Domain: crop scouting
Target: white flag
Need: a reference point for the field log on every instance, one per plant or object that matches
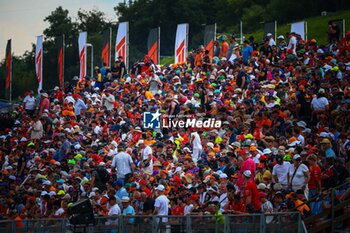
(39, 61)
(298, 28)
(82, 55)
(181, 43)
(122, 42)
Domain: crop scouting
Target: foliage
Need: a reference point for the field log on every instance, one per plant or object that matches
(146, 14)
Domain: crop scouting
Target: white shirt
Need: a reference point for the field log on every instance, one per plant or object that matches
(196, 144)
(122, 161)
(29, 102)
(162, 203)
(109, 102)
(202, 197)
(281, 172)
(114, 210)
(272, 42)
(97, 129)
(38, 130)
(188, 209)
(223, 201)
(301, 139)
(319, 103)
(292, 43)
(146, 152)
(299, 177)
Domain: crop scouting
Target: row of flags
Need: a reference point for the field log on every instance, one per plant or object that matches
(121, 50)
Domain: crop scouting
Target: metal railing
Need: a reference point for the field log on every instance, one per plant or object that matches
(248, 223)
(331, 219)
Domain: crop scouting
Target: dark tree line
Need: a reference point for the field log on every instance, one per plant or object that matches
(144, 15)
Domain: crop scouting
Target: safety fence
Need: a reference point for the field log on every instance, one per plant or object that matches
(333, 211)
(249, 223)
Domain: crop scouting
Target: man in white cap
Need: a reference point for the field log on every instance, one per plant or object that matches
(196, 145)
(161, 203)
(146, 156)
(250, 193)
(272, 42)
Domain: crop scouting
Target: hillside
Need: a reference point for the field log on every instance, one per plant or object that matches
(316, 29)
(316, 26)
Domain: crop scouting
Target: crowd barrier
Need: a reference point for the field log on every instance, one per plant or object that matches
(287, 222)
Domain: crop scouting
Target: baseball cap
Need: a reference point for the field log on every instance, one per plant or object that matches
(296, 156)
(247, 173)
(160, 187)
(261, 186)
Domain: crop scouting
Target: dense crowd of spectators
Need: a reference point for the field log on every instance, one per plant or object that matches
(284, 136)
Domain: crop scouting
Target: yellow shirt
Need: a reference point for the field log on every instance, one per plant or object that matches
(148, 95)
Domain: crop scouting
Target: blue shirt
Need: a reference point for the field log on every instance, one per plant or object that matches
(129, 211)
(246, 53)
(79, 105)
(121, 193)
(330, 153)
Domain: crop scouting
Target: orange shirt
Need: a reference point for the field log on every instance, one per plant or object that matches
(224, 49)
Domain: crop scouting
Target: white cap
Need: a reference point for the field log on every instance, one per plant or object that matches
(140, 142)
(262, 186)
(280, 37)
(301, 124)
(92, 194)
(102, 164)
(43, 193)
(160, 187)
(52, 193)
(296, 156)
(126, 199)
(247, 173)
(46, 182)
(210, 144)
(187, 149)
(268, 34)
(267, 151)
(223, 176)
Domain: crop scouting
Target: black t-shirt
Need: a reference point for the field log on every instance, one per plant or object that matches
(148, 205)
(266, 50)
(305, 109)
(239, 80)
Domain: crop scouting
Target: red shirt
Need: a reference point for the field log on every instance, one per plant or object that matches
(315, 176)
(45, 103)
(178, 210)
(250, 190)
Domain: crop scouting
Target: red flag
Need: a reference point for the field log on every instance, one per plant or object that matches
(153, 45)
(8, 59)
(60, 58)
(106, 51)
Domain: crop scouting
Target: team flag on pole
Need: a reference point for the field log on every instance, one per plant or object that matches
(122, 42)
(82, 55)
(60, 58)
(209, 38)
(106, 47)
(39, 62)
(181, 43)
(153, 44)
(8, 60)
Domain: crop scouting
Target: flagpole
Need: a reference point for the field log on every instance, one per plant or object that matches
(63, 53)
